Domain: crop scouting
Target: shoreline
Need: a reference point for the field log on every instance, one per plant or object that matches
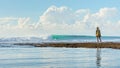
(115, 45)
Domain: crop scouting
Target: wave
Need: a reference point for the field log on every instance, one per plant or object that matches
(63, 37)
(58, 38)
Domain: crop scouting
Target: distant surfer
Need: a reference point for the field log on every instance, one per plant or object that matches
(98, 34)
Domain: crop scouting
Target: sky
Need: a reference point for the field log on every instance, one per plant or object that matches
(26, 18)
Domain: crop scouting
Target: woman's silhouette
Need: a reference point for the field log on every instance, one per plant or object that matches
(98, 34)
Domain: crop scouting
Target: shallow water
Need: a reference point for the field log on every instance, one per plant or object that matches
(33, 57)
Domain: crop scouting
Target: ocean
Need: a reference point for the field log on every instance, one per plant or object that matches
(58, 38)
(79, 38)
(17, 56)
(51, 57)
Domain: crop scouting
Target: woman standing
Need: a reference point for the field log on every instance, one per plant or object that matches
(98, 34)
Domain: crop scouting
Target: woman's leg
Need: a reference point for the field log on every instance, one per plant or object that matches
(100, 39)
(97, 39)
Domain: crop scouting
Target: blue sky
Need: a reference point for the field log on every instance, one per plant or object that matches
(37, 7)
(32, 17)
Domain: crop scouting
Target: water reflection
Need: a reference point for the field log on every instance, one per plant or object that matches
(98, 58)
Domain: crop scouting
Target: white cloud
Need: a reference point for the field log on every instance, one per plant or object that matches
(106, 12)
(22, 22)
(64, 20)
(6, 20)
(82, 21)
(58, 15)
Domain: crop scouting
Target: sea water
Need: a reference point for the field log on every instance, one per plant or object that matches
(52, 57)
(17, 56)
(59, 38)
(80, 38)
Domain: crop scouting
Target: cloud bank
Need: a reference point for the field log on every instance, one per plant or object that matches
(63, 20)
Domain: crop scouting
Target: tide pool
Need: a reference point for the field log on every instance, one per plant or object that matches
(33, 57)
